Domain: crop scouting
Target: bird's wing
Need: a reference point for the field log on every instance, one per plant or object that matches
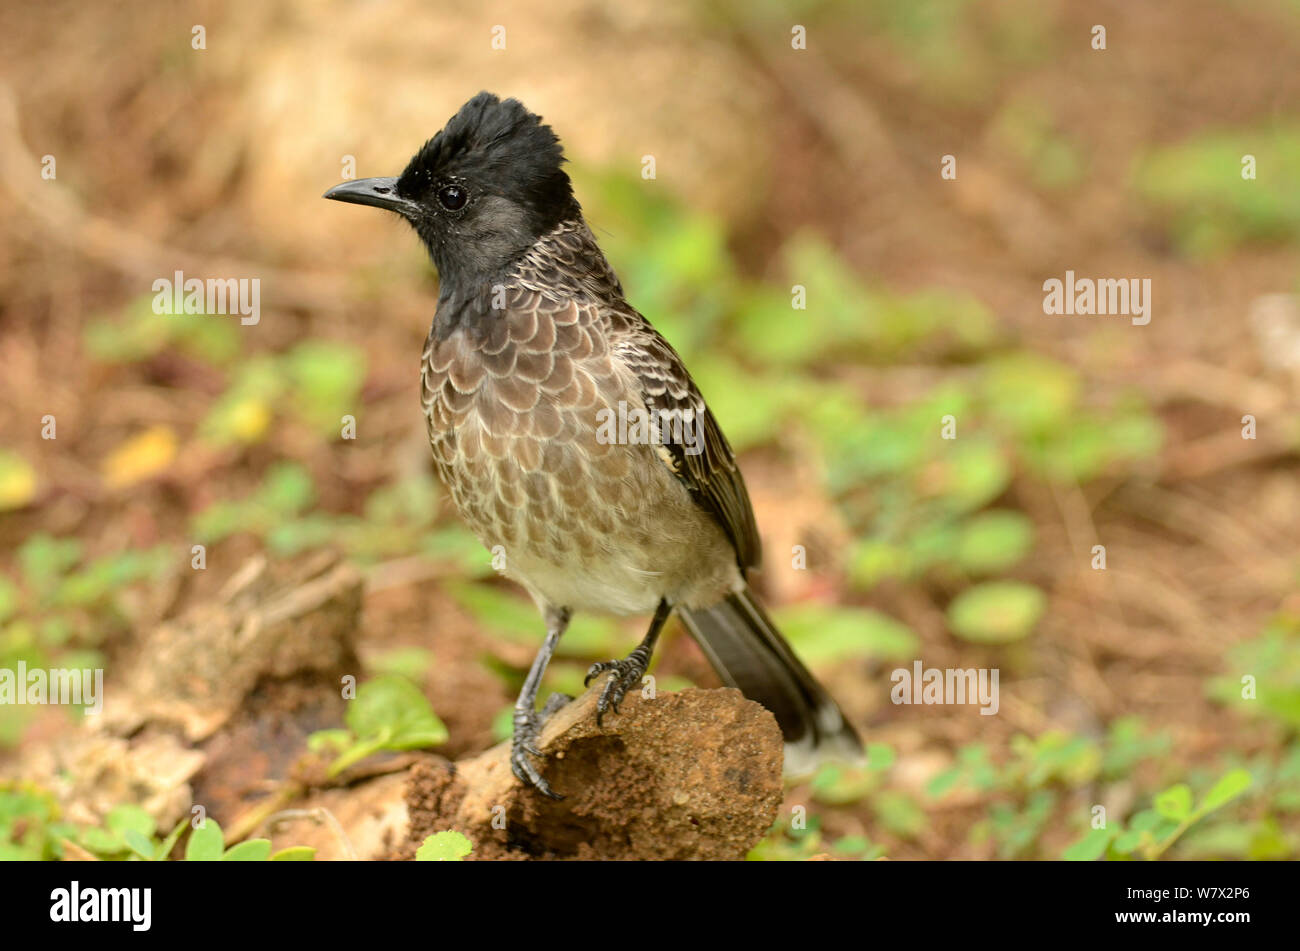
(705, 464)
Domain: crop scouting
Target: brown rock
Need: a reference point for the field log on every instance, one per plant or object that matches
(691, 775)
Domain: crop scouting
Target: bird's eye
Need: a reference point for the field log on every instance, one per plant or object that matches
(452, 197)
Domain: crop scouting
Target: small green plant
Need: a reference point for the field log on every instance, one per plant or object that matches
(1265, 674)
(856, 847)
(129, 833)
(207, 844)
(836, 784)
(973, 770)
(996, 612)
(796, 841)
(31, 828)
(1211, 207)
(1015, 827)
(59, 605)
(388, 713)
(448, 846)
(1149, 833)
(507, 615)
(826, 634)
(789, 840)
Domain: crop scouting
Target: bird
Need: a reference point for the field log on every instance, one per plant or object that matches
(569, 433)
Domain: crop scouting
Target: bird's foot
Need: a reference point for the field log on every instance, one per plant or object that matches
(553, 705)
(627, 674)
(524, 746)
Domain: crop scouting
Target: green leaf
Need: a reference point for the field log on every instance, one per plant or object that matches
(773, 332)
(134, 335)
(389, 713)
(287, 490)
(295, 853)
(1089, 443)
(899, 813)
(139, 843)
(1030, 394)
(1232, 785)
(851, 845)
(254, 850)
(823, 633)
(503, 724)
(448, 846)
(1057, 754)
(1128, 841)
(130, 817)
(997, 612)
(874, 560)
(212, 341)
(880, 756)
(968, 476)
(994, 541)
(1175, 803)
(514, 618)
(327, 380)
(838, 785)
(749, 409)
(394, 707)
(1197, 187)
(206, 843)
(457, 546)
(1144, 821)
(1091, 847)
(942, 782)
(101, 841)
(45, 558)
(410, 662)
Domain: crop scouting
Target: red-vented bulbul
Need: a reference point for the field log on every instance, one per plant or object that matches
(533, 357)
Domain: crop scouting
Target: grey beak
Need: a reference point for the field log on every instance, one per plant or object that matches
(378, 192)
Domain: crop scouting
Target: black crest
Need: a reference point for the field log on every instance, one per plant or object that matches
(498, 147)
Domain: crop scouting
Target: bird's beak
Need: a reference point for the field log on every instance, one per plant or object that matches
(379, 192)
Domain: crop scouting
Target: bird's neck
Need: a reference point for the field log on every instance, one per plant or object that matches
(564, 262)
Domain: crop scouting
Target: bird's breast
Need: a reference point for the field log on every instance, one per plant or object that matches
(513, 410)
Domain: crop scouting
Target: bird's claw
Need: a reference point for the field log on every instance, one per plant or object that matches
(524, 743)
(627, 673)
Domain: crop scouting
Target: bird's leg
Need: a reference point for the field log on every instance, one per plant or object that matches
(628, 671)
(528, 724)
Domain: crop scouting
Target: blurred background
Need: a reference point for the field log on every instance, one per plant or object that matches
(820, 167)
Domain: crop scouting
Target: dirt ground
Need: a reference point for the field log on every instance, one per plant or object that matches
(169, 157)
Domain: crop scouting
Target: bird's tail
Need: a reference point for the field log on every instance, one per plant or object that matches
(749, 653)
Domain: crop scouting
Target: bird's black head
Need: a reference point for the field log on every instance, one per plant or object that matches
(480, 192)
